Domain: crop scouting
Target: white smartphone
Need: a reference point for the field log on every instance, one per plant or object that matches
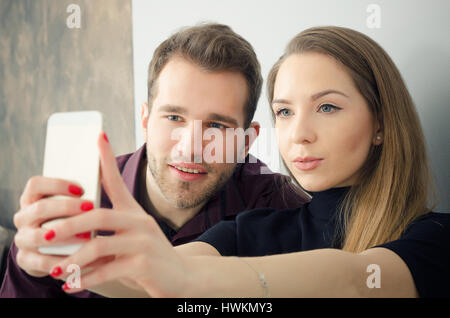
(71, 153)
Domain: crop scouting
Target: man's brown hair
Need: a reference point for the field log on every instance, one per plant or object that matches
(213, 47)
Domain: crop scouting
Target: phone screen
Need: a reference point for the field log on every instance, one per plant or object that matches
(71, 153)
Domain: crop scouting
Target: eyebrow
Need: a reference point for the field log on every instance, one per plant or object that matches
(212, 116)
(313, 97)
(225, 119)
(281, 101)
(172, 109)
(326, 92)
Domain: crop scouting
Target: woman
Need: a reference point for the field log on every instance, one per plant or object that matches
(349, 134)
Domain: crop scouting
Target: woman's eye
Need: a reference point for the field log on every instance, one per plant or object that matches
(173, 118)
(284, 112)
(328, 108)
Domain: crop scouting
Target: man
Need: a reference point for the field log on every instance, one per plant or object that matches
(203, 80)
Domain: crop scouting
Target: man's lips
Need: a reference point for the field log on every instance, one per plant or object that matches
(307, 163)
(191, 168)
(188, 172)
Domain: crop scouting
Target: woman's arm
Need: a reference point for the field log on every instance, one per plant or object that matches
(197, 249)
(146, 258)
(119, 290)
(316, 273)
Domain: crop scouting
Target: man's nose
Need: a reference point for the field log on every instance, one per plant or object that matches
(189, 147)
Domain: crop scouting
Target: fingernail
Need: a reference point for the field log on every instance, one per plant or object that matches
(105, 137)
(56, 271)
(87, 206)
(84, 235)
(75, 190)
(66, 286)
(49, 235)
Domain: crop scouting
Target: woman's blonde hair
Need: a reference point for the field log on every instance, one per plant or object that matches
(395, 182)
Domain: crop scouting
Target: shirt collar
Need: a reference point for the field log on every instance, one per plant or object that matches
(131, 169)
(325, 204)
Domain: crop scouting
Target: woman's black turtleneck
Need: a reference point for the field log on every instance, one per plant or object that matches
(424, 246)
(268, 231)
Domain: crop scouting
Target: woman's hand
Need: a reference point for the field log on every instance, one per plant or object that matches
(138, 254)
(35, 209)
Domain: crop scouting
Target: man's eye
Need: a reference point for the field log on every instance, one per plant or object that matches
(217, 125)
(173, 118)
(284, 112)
(328, 108)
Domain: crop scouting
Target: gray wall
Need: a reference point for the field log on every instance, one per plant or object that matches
(413, 32)
(45, 67)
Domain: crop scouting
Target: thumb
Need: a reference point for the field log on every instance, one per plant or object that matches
(111, 178)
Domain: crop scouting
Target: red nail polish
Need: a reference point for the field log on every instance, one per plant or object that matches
(66, 286)
(87, 206)
(105, 137)
(84, 235)
(49, 235)
(75, 190)
(56, 271)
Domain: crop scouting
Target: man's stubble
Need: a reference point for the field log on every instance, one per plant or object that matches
(186, 195)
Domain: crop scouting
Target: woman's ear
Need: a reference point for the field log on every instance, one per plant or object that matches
(144, 118)
(378, 139)
(378, 135)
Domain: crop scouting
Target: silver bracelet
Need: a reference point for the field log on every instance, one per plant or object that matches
(261, 279)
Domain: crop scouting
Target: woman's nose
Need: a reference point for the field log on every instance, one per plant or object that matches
(302, 130)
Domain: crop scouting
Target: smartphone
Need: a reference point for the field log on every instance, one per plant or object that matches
(71, 153)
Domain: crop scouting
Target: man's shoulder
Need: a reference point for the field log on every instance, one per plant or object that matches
(253, 167)
(256, 179)
(123, 159)
(133, 159)
(257, 173)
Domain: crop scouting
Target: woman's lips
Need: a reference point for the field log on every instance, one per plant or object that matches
(306, 164)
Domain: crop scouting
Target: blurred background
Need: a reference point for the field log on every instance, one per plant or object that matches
(60, 55)
(51, 61)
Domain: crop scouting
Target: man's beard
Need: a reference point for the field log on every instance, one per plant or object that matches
(180, 193)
